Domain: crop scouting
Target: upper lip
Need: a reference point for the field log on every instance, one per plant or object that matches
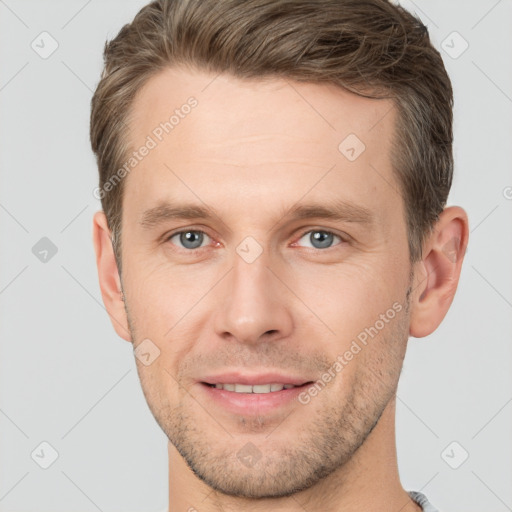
(253, 379)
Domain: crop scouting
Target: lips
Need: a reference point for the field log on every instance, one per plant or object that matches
(256, 394)
(240, 382)
(257, 388)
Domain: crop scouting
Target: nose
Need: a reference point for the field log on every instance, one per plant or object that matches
(255, 304)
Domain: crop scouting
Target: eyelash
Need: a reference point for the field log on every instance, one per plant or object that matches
(344, 240)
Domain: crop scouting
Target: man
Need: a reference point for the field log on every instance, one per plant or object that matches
(274, 177)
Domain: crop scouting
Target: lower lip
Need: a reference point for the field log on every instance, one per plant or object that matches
(252, 403)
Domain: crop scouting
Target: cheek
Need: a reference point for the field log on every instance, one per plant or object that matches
(349, 297)
(161, 295)
(159, 388)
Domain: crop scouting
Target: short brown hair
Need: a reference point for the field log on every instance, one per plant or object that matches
(372, 48)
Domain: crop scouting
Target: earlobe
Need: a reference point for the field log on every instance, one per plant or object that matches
(437, 274)
(108, 275)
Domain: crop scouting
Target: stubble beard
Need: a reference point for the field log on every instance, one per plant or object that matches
(316, 447)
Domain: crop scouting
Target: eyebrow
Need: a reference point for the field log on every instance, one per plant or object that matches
(344, 211)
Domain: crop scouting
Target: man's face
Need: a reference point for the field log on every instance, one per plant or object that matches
(256, 289)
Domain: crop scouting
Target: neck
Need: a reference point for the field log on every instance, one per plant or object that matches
(369, 481)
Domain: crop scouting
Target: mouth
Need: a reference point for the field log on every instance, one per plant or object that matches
(257, 395)
(255, 388)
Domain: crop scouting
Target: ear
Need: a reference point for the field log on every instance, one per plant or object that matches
(437, 275)
(110, 282)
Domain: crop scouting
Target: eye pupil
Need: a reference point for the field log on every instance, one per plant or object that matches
(322, 237)
(194, 239)
(190, 239)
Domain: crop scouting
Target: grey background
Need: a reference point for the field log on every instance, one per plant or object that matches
(65, 377)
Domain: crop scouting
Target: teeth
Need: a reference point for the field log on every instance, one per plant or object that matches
(243, 388)
(260, 388)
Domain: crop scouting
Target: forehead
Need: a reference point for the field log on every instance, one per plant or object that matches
(221, 137)
(226, 103)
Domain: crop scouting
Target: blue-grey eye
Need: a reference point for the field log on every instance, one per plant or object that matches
(190, 239)
(320, 239)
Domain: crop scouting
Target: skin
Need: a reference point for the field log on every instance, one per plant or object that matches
(250, 151)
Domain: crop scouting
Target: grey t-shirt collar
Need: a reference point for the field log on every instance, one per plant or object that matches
(422, 501)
